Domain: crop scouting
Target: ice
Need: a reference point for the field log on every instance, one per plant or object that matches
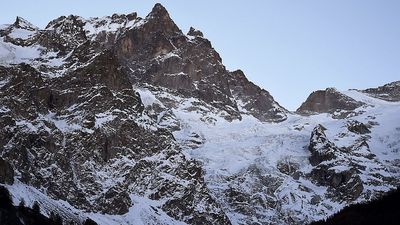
(4, 26)
(63, 124)
(14, 54)
(232, 147)
(22, 34)
(148, 98)
(27, 124)
(95, 26)
(102, 118)
(167, 56)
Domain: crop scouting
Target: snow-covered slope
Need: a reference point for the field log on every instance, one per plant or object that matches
(127, 120)
(268, 164)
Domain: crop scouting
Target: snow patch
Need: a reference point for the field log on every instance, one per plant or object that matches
(22, 34)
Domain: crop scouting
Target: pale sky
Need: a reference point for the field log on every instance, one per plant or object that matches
(288, 47)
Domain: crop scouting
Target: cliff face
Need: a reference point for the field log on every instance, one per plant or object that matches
(128, 120)
(388, 92)
(328, 101)
(74, 126)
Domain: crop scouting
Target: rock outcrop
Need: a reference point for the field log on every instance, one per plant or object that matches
(6, 172)
(328, 101)
(320, 147)
(388, 92)
(358, 127)
(254, 100)
(333, 167)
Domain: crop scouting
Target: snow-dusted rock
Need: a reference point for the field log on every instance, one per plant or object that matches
(127, 120)
(388, 92)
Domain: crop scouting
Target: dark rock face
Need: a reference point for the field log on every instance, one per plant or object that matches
(159, 54)
(74, 126)
(388, 92)
(327, 101)
(332, 168)
(345, 184)
(6, 172)
(251, 201)
(358, 127)
(63, 131)
(194, 32)
(320, 147)
(115, 201)
(254, 100)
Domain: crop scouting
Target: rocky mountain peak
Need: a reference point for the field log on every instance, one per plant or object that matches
(21, 33)
(123, 115)
(255, 100)
(65, 21)
(159, 11)
(329, 100)
(159, 20)
(194, 32)
(24, 24)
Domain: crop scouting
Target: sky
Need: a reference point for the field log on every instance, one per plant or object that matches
(288, 47)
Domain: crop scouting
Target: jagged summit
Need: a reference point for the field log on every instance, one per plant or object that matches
(63, 20)
(159, 20)
(126, 119)
(159, 11)
(194, 32)
(24, 24)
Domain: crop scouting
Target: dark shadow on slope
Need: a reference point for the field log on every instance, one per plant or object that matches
(384, 211)
(22, 215)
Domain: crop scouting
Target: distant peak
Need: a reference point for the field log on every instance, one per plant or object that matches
(195, 32)
(24, 24)
(131, 16)
(159, 19)
(159, 11)
(238, 74)
(331, 89)
(71, 19)
(159, 7)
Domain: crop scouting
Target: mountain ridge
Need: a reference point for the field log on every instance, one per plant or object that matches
(128, 120)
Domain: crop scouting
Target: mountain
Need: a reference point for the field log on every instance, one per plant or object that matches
(127, 120)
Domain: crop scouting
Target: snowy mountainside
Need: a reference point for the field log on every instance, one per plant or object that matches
(264, 169)
(127, 120)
